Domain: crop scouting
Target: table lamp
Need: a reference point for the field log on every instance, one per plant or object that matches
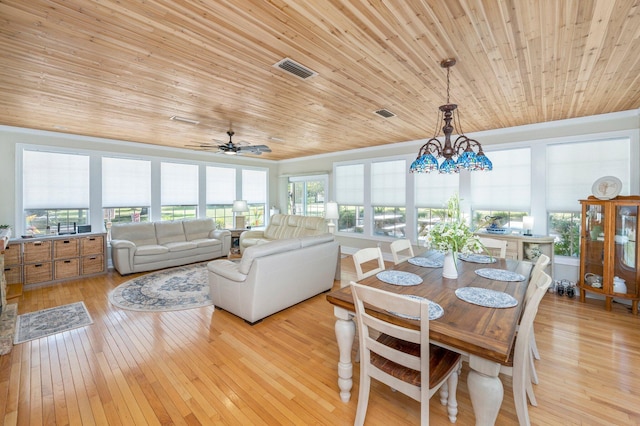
(331, 213)
(527, 225)
(239, 207)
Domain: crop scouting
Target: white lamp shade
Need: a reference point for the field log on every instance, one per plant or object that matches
(527, 222)
(240, 206)
(332, 211)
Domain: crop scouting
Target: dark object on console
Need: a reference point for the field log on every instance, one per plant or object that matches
(84, 229)
(68, 230)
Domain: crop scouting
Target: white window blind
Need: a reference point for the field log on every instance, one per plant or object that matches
(254, 186)
(573, 168)
(55, 180)
(126, 182)
(388, 183)
(179, 184)
(349, 184)
(507, 186)
(434, 189)
(221, 185)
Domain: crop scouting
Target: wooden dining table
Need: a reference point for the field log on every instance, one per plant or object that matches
(484, 336)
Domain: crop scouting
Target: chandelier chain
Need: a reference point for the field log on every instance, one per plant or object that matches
(448, 70)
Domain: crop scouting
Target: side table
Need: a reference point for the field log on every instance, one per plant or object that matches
(235, 241)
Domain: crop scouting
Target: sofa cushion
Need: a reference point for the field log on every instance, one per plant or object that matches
(198, 229)
(140, 233)
(283, 226)
(148, 250)
(180, 246)
(170, 232)
(206, 242)
(261, 250)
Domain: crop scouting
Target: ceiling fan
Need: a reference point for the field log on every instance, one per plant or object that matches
(231, 148)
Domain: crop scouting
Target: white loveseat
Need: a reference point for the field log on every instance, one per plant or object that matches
(283, 226)
(274, 276)
(145, 246)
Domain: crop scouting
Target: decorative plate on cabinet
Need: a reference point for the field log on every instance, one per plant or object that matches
(607, 187)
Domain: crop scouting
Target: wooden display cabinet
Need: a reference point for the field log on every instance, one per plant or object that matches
(609, 249)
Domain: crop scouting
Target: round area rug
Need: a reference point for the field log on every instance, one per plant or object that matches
(172, 289)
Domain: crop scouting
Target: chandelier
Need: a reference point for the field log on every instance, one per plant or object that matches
(464, 153)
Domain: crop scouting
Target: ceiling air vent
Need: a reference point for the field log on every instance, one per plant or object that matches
(385, 113)
(295, 68)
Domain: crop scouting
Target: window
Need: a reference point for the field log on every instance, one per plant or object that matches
(307, 195)
(432, 192)
(571, 170)
(254, 190)
(55, 191)
(126, 190)
(221, 192)
(388, 197)
(349, 184)
(565, 227)
(179, 191)
(505, 192)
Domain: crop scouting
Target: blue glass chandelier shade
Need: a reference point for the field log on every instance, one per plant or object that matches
(459, 155)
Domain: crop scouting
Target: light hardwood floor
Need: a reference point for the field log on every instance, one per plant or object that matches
(202, 366)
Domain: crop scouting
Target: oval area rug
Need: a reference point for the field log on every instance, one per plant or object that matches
(184, 287)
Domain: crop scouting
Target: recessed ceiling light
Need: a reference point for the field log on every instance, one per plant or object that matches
(184, 120)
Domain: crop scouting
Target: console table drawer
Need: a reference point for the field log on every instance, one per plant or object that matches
(38, 272)
(13, 274)
(92, 264)
(64, 249)
(12, 254)
(67, 269)
(37, 251)
(92, 245)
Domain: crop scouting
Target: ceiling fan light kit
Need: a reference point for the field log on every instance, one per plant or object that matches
(465, 153)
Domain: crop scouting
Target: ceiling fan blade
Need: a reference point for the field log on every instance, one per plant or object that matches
(202, 145)
(255, 148)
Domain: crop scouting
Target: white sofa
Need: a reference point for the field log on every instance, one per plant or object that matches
(145, 246)
(271, 277)
(283, 226)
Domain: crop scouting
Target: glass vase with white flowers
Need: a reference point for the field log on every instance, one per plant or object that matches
(452, 235)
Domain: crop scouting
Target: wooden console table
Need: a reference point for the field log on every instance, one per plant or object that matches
(48, 259)
(526, 247)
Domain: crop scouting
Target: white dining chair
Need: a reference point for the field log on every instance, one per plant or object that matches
(402, 357)
(401, 250)
(540, 265)
(519, 365)
(363, 260)
(494, 247)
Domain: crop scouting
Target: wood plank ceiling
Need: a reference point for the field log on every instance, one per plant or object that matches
(120, 69)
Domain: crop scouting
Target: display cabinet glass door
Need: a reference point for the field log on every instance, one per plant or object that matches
(625, 263)
(594, 245)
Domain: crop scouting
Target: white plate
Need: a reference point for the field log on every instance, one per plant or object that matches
(607, 187)
(435, 310)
